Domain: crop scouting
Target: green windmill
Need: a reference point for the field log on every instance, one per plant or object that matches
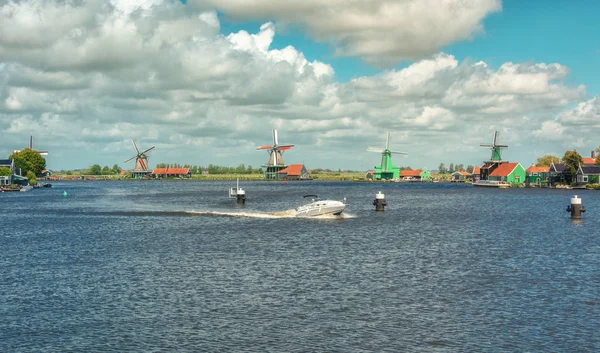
(386, 170)
(496, 149)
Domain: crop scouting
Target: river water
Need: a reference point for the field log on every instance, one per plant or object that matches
(177, 266)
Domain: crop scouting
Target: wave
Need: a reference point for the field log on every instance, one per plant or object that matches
(291, 213)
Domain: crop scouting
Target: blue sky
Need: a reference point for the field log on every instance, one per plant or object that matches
(206, 81)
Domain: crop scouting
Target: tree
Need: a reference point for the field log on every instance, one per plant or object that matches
(572, 160)
(470, 168)
(5, 171)
(442, 169)
(29, 160)
(451, 168)
(598, 155)
(96, 169)
(546, 160)
(116, 169)
(31, 177)
(106, 170)
(69, 172)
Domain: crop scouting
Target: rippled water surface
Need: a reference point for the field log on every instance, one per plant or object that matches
(165, 266)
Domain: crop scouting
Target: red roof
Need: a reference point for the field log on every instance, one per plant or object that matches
(462, 172)
(410, 173)
(293, 169)
(504, 169)
(534, 169)
(476, 170)
(589, 160)
(171, 171)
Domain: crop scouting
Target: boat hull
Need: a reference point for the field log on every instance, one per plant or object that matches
(316, 210)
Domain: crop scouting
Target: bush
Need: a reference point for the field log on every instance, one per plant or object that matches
(31, 176)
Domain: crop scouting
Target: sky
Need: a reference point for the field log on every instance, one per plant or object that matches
(206, 81)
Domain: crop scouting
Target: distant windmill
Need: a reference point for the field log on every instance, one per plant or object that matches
(42, 153)
(141, 162)
(386, 170)
(275, 157)
(496, 148)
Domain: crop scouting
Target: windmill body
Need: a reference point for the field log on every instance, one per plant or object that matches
(275, 163)
(495, 160)
(140, 170)
(386, 170)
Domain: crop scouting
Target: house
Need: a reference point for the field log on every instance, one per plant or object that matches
(537, 175)
(460, 176)
(588, 174)
(591, 160)
(508, 172)
(172, 172)
(10, 164)
(559, 173)
(476, 174)
(425, 175)
(407, 174)
(294, 172)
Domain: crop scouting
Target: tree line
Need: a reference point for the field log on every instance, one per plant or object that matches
(214, 169)
(442, 169)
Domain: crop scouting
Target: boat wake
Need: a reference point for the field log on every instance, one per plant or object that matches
(291, 213)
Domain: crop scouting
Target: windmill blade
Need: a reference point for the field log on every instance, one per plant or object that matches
(136, 147)
(274, 137)
(148, 150)
(503, 146)
(143, 164)
(495, 137)
(285, 147)
(130, 159)
(375, 149)
(264, 147)
(401, 153)
(387, 142)
(485, 145)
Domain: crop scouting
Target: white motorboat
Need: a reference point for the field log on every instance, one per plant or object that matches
(320, 206)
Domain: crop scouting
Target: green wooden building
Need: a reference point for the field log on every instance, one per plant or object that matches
(508, 172)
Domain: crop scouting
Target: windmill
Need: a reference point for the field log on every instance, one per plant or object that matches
(141, 162)
(275, 163)
(496, 148)
(42, 153)
(495, 161)
(386, 170)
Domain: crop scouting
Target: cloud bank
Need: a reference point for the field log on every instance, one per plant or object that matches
(163, 73)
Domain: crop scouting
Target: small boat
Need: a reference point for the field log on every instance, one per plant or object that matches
(492, 183)
(320, 207)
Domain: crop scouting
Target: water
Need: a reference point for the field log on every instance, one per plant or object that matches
(164, 266)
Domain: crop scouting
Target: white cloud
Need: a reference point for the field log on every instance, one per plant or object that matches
(550, 130)
(164, 75)
(379, 31)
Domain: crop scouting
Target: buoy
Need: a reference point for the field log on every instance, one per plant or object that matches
(575, 208)
(65, 194)
(241, 196)
(379, 202)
